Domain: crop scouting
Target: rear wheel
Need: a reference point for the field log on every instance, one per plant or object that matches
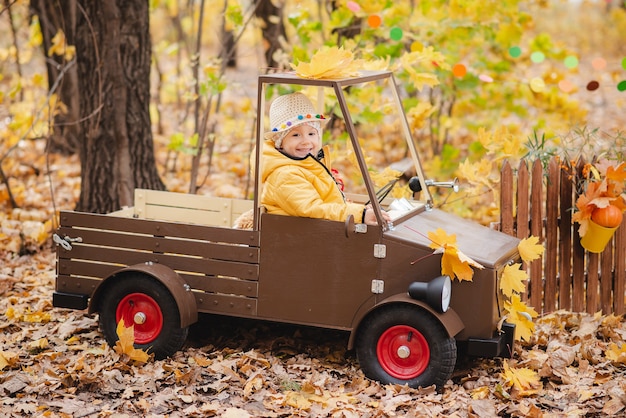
(148, 305)
(405, 345)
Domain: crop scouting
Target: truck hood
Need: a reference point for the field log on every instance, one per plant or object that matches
(488, 247)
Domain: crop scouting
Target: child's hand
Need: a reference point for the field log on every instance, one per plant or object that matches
(369, 216)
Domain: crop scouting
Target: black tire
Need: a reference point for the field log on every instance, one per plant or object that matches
(404, 344)
(160, 333)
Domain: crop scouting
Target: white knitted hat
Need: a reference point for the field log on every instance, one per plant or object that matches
(291, 110)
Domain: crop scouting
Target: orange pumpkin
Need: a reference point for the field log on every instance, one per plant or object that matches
(608, 217)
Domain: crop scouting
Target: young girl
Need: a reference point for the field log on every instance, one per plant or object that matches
(296, 174)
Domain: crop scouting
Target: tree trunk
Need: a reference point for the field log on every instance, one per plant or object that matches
(113, 58)
(273, 29)
(55, 15)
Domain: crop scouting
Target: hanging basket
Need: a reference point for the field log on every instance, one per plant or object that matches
(597, 237)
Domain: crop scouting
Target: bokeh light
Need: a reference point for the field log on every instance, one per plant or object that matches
(537, 57)
(395, 33)
(459, 70)
(515, 51)
(374, 21)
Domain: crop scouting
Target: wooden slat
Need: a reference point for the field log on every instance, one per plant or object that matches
(619, 288)
(578, 263)
(78, 220)
(565, 238)
(536, 229)
(606, 279)
(523, 201)
(175, 262)
(225, 285)
(225, 304)
(506, 199)
(195, 248)
(190, 208)
(593, 299)
(523, 209)
(78, 285)
(551, 234)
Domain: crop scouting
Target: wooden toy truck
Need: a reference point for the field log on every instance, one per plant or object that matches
(173, 255)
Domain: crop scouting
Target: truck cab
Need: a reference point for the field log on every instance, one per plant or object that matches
(172, 256)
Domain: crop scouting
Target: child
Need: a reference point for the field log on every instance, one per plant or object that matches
(296, 172)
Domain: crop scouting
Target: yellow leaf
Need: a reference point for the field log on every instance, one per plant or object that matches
(529, 249)
(453, 262)
(60, 47)
(329, 63)
(616, 353)
(7, 359)
(126, 341)
(521, 315)
(522, 378)
(40, 344)
(512, 280)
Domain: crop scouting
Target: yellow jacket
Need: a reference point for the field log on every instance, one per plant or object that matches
(303, 187)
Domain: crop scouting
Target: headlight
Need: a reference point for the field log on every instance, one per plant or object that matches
(436, 293)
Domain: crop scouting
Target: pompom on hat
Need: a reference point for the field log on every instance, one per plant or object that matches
(291, 110)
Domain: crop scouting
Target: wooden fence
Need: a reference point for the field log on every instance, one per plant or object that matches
(540, 202)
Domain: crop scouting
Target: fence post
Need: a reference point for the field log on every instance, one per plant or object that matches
(565, 237)
(551, 226)
(536, 229)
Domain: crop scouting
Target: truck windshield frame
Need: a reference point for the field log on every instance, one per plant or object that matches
(388, 115)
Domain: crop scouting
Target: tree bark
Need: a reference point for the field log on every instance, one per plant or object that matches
(113, 60)
(55, 15)
(273, 29)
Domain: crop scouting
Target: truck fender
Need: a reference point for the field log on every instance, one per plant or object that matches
(180, 290)
(450, 319)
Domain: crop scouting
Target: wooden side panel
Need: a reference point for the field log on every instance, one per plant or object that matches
(190, 208)
(211, 260)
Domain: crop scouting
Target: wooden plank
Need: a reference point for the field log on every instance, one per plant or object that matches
(523, 210)
(223, 285)
(226, 304)
(536, 229)
(78, 285)
(565, 238)
(578, 256)
(523, 201)
(593, 298)
(551, 255)
(92, 273)
(175, 262)
(506, 199)
(190, 208)
(192, 248)
(606, 279)
(156, 228)
(619, 287)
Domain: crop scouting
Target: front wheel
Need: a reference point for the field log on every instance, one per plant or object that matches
(405, 345)
(148, 305)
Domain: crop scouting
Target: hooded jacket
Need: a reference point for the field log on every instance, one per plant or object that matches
(303, 187)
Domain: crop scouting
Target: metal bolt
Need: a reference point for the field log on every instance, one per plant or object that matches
(139, 318)
(404, 351)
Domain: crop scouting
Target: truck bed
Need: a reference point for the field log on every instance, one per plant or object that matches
(221, 264)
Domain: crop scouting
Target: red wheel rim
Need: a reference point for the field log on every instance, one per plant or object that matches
(403, 352)
(144, 313)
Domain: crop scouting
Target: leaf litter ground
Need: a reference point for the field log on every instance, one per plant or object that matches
(55, 362)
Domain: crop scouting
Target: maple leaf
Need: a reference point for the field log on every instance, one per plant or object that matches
(126, 341)
(616, 353)
(512, 280)
(454, 263)
(521, 316)
(523, 379)
(529, 249)
(329, 63)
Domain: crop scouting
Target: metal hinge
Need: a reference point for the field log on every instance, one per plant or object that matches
(65, 241)
(378, 286)
(380, 250)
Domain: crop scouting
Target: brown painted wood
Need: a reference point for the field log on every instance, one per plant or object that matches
(565, 237)
(536, 229)
(619, 288)
(593, 280)
(506, 199)
(578, 255)
(523, 201)
(551, 234)
(606, 279)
